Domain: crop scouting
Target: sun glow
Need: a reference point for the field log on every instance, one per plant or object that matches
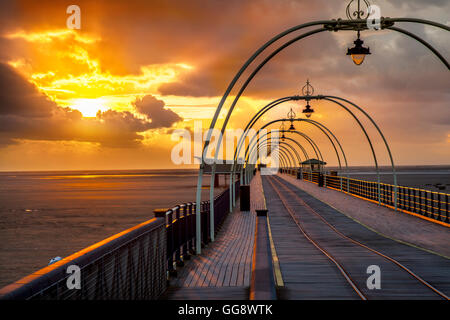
(89, 107)
(67, 67)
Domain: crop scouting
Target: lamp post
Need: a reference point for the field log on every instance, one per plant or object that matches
(291, 117)
(308, 91)
(358, 52)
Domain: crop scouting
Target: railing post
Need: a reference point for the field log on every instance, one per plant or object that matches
(212, 218)
(170, 244)
(432, 215)
(446, 208)
(185, 228)
(440, 217)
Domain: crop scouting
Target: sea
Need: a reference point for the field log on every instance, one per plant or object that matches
(48, 214)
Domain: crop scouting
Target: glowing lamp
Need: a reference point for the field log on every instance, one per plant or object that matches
(358, 52)
(308, 111)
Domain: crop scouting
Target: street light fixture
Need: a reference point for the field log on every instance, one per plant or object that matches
(358, 52)
(308, 90)
(308, 111)
(291, 117)
(282, 129)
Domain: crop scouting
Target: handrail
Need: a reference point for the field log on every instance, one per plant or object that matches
(98, 263)
(132, 264)
(426, 204)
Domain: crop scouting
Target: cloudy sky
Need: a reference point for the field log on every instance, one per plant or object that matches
(108, 96)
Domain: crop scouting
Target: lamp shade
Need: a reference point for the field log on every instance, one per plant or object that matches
(308, 111)
(358, 52)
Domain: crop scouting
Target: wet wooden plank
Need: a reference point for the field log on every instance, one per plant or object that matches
(225, 263)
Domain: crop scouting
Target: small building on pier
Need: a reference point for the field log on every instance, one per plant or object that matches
(314, 164)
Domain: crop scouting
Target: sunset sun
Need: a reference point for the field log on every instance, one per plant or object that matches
(89, 107)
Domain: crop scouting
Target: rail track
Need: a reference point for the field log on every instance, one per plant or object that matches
(341, 250)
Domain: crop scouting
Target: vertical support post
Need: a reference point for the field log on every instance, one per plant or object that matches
(178, 238)
(446, 209)
(170, 244)
(440, 217)
(198, 223)
(211, 198)
(231, 191)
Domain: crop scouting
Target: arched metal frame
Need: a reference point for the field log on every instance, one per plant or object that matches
(282, 145)
(282, 151)
(322, 127)
(258, 145)
(331, 99)
(290, 156)
(271, 105)
(262, 138)
(251, 159)
(330, 25)
(252, 145)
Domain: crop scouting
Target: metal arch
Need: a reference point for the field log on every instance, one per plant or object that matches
(313, 122)
(230, 110)
(334, 25)
(257, 145)
(250, 125)
(262, 64)
(311, 142)
(330, 98)
(283, 163)
(308, 139)
(263, 138)
(269, 139)
(256, 117)
(320, 97)
(281, 149)
(281, 145)
(306, 120)
(266, 109)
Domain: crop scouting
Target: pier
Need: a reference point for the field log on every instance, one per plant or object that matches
(287, 229)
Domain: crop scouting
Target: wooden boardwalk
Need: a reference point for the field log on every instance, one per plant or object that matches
(223, 270)
(302, 230)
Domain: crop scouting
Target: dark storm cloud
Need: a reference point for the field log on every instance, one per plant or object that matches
(153, 109)
(27, 114)
(19, 97)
